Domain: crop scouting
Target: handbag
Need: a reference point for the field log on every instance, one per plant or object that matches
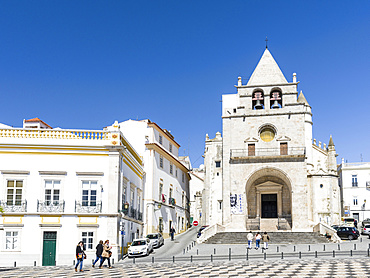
(79, 255)
(110, 253)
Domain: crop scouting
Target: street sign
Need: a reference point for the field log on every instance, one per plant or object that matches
(195, 223)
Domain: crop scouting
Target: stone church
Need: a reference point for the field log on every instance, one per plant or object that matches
(266, 172)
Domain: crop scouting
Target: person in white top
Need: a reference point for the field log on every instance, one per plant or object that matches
(258, 240)
(250, 239)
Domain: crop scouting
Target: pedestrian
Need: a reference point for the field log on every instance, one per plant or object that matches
(265, 239)
(80, 255)
(106, 254)
(250, 239)
(172, 233)
(99, 251)
(258, 240)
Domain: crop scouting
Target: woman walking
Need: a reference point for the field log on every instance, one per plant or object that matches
(99, 251)
(106, 254)
(80, 255)
(258, 240)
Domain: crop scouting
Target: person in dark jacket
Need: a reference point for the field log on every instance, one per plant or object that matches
(172, 233)
(80, 255)
(99, 251)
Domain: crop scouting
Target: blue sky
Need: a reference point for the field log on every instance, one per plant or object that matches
(85, 64)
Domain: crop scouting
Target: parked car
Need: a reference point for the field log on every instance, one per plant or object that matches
(156, 239)
(365, 230)
(140, 247)
(348, 232)
(335, 227)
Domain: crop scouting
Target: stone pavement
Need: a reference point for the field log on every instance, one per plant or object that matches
(304, 268)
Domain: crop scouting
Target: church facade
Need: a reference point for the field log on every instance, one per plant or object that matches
(266, 172)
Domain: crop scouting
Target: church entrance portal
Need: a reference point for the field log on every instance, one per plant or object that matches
(269, 205)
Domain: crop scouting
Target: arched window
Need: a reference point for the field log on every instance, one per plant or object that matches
(258, 100)
(276, 99)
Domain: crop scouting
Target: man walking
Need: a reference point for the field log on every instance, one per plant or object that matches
(250, 239)
(172, 233)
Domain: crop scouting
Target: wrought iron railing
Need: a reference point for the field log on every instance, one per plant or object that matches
(50, 206)
(355, 184)
(14, 206)
(267, 152)
(88, 207)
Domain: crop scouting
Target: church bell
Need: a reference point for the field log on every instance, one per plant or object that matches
(258, 105)
(275, 105)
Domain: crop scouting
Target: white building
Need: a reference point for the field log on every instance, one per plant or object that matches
(265, 171)
(354, 181)
(166, 199)
(60, 186)
(196, 193)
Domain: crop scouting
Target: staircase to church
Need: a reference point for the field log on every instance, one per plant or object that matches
(275, 238)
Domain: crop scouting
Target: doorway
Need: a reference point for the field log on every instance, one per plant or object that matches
(269, 205)
(49, 248)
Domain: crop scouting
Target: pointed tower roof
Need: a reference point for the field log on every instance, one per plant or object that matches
(302, 99)
(331, 143)
(267, 72)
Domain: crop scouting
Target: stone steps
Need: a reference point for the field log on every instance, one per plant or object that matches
(275, 238)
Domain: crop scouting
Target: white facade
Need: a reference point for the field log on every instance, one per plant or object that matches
(354, 181)
(166, 200)
(60, 186)
(265, 172)
(196, 195)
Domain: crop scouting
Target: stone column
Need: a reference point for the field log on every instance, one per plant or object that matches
(258, 195)
(280, 202)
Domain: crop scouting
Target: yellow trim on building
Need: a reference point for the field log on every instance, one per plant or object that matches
(91, 217)
(13, 222)
(44, 222)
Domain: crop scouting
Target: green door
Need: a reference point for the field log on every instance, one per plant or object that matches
(49, 248)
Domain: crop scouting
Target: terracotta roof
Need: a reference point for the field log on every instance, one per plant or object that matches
(37, 120)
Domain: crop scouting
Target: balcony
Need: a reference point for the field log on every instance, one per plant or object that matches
(267, 155)
(14, 206)
(354, 184)
(88, 207)
(48, 206)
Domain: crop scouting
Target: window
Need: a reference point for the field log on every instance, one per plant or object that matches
(251, 149)
(354, 181)
(160, 225)
(88, 240)
(283, 148)
(170, 148)
(183, 200)
(52, 192)
(124, 193)
(182, 223)
(14, 192)
(161, 162)
(267, 134)
(183, 177)
(218, 164)
(171, 168)
(161, 192)
(170, 193)
(160, 139)
(11, 240)
(132, 191)
(89, 192)
(257, 100)
(176, 171)
(355, 201)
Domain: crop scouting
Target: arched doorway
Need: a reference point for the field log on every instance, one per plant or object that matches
(269, 204)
